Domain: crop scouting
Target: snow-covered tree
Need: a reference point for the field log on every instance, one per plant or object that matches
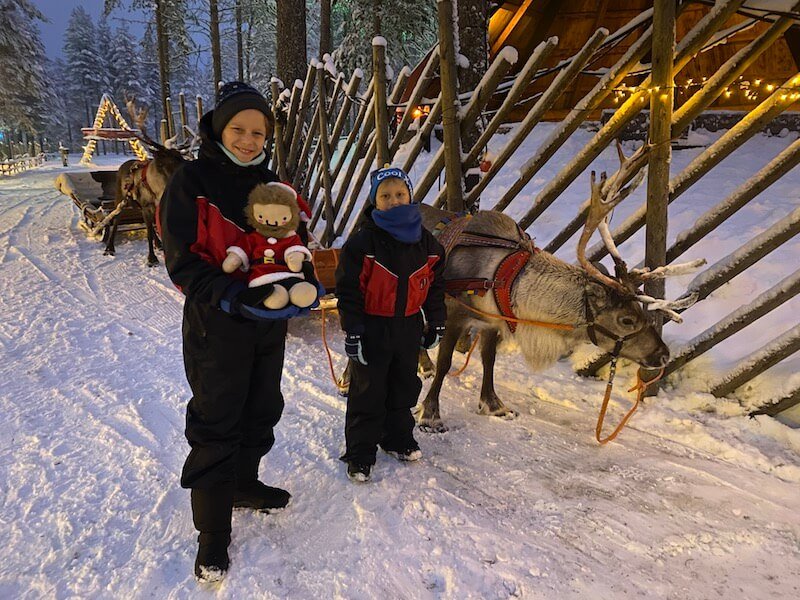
(409, 27)
(55, 116)
(23, 84)
(104, 46)
(127, 68)
(82, 89)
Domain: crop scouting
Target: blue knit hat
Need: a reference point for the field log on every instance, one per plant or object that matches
(379, 175)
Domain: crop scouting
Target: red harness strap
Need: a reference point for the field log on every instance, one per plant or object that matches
(503, 280)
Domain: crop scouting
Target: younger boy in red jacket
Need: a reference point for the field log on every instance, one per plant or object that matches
(390, 273)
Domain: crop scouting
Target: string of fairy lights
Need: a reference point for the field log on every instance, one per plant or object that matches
(750, 90)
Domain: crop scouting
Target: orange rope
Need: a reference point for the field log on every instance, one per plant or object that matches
(466, 362)
(563, 326)
(640, 387)
(328, 352)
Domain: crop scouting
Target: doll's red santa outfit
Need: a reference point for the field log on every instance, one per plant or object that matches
(264, 258)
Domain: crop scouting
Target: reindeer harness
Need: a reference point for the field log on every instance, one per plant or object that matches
(451, 234)
(139, 165)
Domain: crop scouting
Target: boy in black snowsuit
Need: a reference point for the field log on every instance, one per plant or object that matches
(388, 270)
(233, 349)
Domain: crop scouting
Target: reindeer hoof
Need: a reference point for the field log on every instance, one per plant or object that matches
(108, 253)
(152, 263)
(501, 411)
(432, 426)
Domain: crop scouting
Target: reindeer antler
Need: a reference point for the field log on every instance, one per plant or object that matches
(139, 115)
(605, 196)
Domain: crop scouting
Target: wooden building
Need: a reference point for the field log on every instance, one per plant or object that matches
(523, 24)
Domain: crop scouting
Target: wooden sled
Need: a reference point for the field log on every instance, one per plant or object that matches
(93, 192)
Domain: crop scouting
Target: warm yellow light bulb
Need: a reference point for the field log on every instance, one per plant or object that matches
(770, 87)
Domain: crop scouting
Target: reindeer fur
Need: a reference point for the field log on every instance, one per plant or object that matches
(548, 290)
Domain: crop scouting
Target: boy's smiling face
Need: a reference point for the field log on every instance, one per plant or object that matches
(391, 192)
(245, 134)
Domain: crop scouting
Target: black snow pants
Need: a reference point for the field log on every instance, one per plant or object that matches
(234, 368)
(383, 392)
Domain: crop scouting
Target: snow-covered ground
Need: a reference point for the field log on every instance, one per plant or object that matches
(694, 500)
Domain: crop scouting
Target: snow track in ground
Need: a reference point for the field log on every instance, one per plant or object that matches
(688, 503)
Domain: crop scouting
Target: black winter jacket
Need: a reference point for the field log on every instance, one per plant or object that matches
(381, 276)
(215, 177)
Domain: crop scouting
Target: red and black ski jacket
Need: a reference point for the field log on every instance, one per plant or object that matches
(383, 277)
(202, 207)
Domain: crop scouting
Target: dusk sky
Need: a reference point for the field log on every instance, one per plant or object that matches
(57, 12)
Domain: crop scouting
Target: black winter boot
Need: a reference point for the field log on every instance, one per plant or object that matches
(250, 492)
(211, 512)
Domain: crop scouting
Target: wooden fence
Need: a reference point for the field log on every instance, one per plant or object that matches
(330, 134)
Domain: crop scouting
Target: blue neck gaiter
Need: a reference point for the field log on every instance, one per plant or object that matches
(256, 161)
(403, 223)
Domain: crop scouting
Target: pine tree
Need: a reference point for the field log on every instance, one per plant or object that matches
(126, 67)
(103, 68)
(409, 27)
(82, 89)
(23, 85)
(55, 118)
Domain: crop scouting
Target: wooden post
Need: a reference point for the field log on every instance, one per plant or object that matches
(291, 115)
(199, 105)
(184, 119)
(169, 117)
(736, 321)
(450, 107)
(660, 157)
(279, 159)
(297, 134)
(327, 186)
(338, 88)
(379, 85)
(164, 131)
(300, 161)
(759, 361)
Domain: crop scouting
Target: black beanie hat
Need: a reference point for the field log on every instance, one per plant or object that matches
(232, 98)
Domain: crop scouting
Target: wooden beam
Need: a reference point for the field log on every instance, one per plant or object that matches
(509, 28)
(759, 361)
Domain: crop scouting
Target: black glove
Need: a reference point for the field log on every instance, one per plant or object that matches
(354, 348)
(432, 336)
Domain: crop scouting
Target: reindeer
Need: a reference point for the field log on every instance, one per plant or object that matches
(144, 182)
(589, 304)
